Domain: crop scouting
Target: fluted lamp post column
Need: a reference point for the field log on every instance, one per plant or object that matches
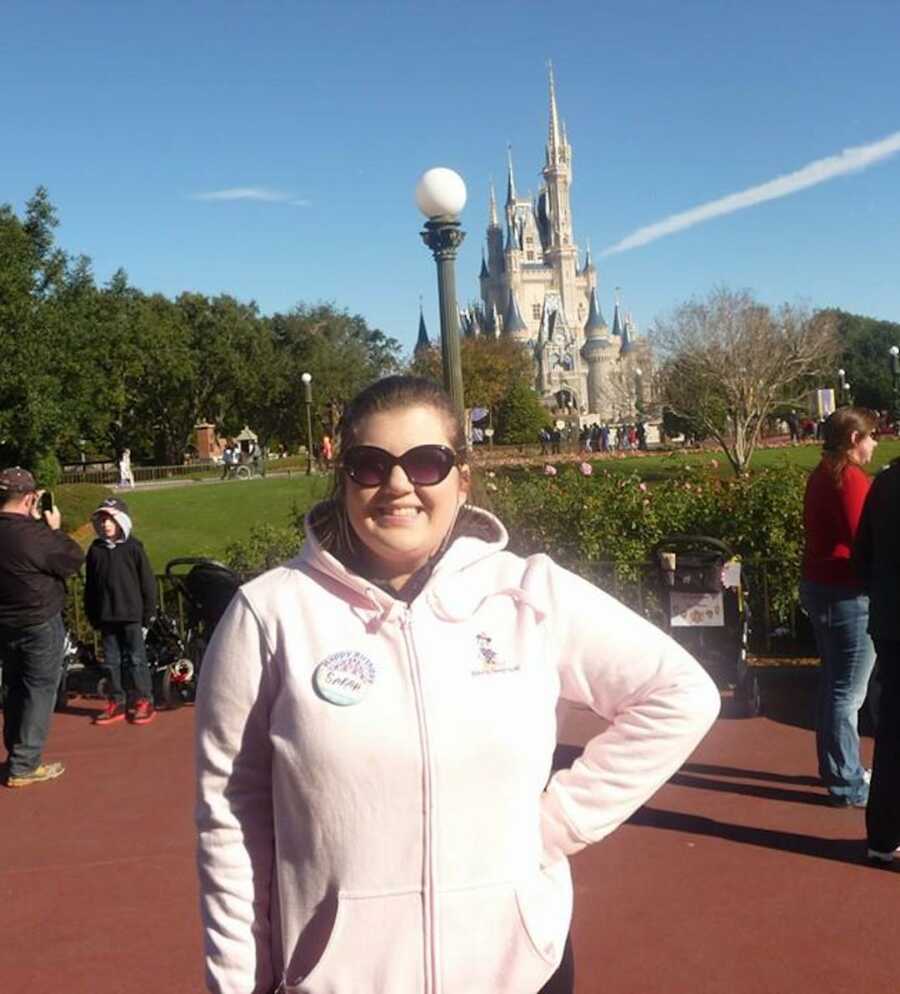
(441, 196)
(307, 403)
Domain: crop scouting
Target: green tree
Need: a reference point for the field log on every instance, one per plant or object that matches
(490, 368)
(864, 344)
(341, 353)
(520, 416)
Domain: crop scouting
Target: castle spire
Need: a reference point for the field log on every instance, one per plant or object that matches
(554, 141)
(617, 327)
(588, 261)
(595, 323)
(484, 269)
(510, 179)
(422, 343)
(627, 344)
(494, 223)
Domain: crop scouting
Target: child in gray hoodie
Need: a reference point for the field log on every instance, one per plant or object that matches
(120, 601)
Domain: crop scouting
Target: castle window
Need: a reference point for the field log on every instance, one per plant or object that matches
(529, 241)
(536, 311)
(529, 255)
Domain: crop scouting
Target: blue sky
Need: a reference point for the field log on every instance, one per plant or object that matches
(127, 112)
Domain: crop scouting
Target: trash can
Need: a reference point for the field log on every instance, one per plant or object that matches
(705, 609)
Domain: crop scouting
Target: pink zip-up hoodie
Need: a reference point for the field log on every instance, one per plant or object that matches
(374, 810)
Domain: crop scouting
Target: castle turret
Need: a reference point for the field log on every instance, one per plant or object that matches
(599, 355)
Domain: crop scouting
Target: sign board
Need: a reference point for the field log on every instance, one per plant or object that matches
(821, 402)
(696, 610)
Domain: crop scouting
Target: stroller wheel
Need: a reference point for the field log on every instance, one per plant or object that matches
(178, 684)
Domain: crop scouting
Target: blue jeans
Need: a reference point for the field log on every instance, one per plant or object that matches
(839, 616)
(32, 663)
(123, 648)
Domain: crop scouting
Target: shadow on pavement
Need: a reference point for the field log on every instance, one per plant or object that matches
(838, 850)
(800, 780)
(750, 790)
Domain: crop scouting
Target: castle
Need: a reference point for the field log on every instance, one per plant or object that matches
(534, 289)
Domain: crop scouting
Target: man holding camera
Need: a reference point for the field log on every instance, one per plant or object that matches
(36, 559)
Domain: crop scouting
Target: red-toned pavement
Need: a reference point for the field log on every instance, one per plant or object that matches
(735, 878)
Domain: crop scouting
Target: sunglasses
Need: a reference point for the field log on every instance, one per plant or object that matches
(424, 465)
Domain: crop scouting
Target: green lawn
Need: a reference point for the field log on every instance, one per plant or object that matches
(660, 467)
(203, 520)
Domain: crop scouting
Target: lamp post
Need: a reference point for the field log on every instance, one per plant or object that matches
(638, 390)
(441, 196)
(842, 387)
(307, 401)
(894, 353)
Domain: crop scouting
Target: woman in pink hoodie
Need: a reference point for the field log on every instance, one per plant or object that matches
(375, 730)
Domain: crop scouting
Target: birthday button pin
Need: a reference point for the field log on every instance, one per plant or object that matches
(344, 677)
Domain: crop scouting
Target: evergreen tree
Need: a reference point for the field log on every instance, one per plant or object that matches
(520, 416)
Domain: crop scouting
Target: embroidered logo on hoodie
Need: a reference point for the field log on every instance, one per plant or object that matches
(487, 659)
(344, 677)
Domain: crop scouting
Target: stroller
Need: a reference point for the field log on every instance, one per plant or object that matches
(708, 611)
(175, 650)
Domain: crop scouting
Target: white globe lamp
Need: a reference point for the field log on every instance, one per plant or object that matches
(440, 192)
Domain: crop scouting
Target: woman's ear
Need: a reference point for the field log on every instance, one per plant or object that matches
(465, 483)
(854, 439)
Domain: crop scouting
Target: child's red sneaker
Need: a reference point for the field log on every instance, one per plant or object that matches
(143, 712)
(112, 712)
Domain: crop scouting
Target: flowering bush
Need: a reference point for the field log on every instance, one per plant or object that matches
(605, 526)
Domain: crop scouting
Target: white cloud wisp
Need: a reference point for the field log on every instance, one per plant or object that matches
(848, 161)
(259, 193)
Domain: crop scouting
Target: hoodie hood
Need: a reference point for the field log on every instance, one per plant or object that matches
(118, 511)
(476, 535)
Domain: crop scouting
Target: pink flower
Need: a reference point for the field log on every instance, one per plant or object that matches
(642, 487)
(549, 470)
(714, 463)
(585, 469)
(646, 502)
(687, 486)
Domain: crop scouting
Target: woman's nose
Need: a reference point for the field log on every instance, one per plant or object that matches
(398, 481)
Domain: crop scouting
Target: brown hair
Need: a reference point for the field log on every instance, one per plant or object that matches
(329, 519)
(838, 433)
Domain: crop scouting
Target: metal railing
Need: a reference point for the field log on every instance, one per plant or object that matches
(782, 634)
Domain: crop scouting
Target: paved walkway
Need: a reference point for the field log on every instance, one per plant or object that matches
(736, 878)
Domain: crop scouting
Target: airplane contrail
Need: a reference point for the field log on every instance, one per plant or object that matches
(848, 161)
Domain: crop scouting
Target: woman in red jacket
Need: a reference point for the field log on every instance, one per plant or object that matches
(835, 601)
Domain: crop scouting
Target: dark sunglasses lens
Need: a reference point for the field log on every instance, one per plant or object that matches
(367, 467)
(427, 465)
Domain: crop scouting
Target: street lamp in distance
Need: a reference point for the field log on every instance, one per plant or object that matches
(894, 353)
(307, 401)
(441, 196)
(842, 387)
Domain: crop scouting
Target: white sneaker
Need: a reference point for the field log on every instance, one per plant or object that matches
(881, 857)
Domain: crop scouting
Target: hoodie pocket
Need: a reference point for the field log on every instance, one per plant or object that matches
(375, 944)
(505, 937)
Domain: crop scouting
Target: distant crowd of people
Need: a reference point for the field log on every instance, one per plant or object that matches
(595, 437)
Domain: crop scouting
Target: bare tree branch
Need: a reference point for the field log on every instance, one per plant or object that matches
(728, 362)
